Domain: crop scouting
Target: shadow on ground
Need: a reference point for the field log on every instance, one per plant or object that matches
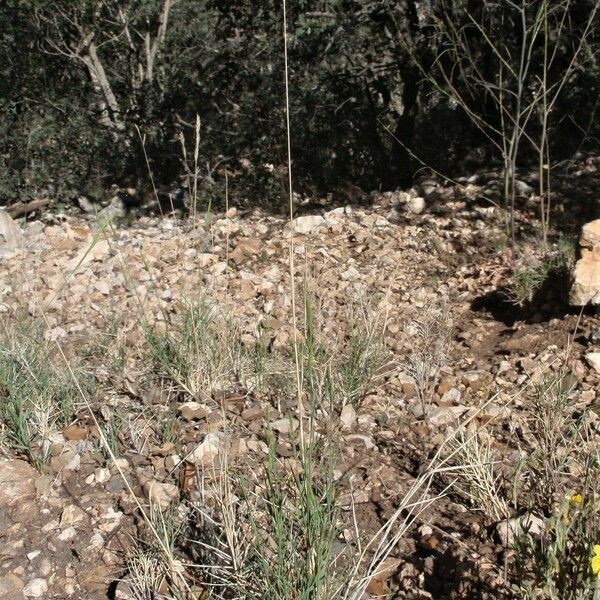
(550, 301)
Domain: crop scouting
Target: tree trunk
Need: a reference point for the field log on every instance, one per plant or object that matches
(110, 114)
(152, 46)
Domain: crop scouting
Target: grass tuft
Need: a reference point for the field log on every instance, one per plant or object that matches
(36, 396)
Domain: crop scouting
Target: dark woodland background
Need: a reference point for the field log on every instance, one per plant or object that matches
(378, 90)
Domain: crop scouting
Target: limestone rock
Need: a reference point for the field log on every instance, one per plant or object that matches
(522, 188)
(94, 251)
(586, 280)
(161, 494)
(590, 234)
(307, 224)
(347, 417)
(593, 359)
(445, 415)
(586, 276)
(36, 588)
(192, 411)
(284, 426)
(115, 210)
(17, 482)
(528, 523)
(71, 515)
(11, 237)
(207, 451)
(416, 205)
(245, 248)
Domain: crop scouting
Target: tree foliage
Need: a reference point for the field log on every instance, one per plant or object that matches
(82, 82)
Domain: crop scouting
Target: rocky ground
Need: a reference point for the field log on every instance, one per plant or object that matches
(439, 252)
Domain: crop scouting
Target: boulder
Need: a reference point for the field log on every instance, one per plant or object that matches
(586, 277)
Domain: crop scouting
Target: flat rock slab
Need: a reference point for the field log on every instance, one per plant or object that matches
(17, 483)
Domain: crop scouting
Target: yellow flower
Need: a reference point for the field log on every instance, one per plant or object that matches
(576, 499)
(596, 561)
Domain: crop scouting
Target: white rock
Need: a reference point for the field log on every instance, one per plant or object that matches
(351, 274)
(103, 287)
(92, 251)
(50, 526)
(68, 534)
(206, 451)
(347, 417)
(112, 520)
(400, 197)
(593, 359)
(74, 464)
(206, 259)
(69, 588)
(54, 334)
(522, 188)
(86, 205)
(590, 234)
(340, 210)
(71, 515)
(96, 541)
(161, 494)
(102, 475)
(45, 568)
(109, 526)
(416, 205)
(504, 367)
(445, 415)
(509, 529)
(124, 591)
(307, 224)
(191, 411)
(586, 280)
(36, 588)
(172, 462)
(115, 209)
(284, 426)
(10, 233)
(452, 395)
(121, 464)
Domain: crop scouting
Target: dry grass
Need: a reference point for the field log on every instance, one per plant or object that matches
(36, 395)
(427, 335)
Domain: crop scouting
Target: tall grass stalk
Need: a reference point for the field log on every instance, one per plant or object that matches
(292, 265)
